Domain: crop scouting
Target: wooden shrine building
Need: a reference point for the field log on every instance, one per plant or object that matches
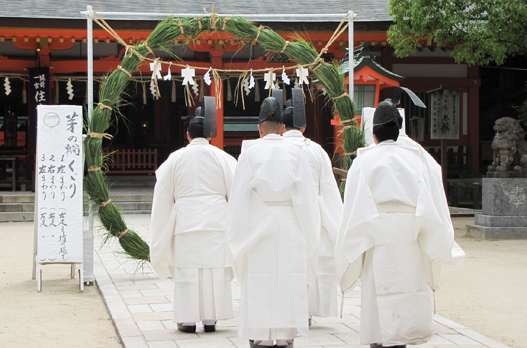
(52, 38)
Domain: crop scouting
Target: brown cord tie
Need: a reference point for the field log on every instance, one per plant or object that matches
(148, 48)
(121, 234)
(100, 135)
(341, 96)
(181, 27)
(104, 106)
(260, 28)
(104, 204)
(123, 69)
(285, 46)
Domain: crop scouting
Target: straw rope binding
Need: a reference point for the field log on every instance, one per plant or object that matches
(104, 204)
(99, 135)
(104, 106)
(121, 234)
(341, 96)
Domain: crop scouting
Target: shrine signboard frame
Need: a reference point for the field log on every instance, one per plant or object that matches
(444, 121)
(59, 189)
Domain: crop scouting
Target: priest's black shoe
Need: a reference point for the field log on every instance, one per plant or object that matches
(209, 328)
(186, 328)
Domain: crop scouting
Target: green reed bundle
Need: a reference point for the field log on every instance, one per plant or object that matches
(162, 37)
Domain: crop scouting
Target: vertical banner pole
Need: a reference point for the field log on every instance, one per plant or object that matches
(89, 16)
(87, 267)
(350, 54)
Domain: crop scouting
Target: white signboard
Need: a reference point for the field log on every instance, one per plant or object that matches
(59, 179)
(367, 124)
(444, 114)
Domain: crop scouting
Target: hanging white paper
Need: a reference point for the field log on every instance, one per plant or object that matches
(59, 184)
(195, 89)
(206, 77)
(69, 89)
(302, 74)
(7, 86)
(246, 86)
(168, 76)
(269, 79)
(188, 73)
(153, 88)
(155, 67)
(285, 78)
(251, 80)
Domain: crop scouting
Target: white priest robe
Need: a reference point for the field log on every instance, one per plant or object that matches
(323, 294)
(394, 237)
(438, 192)
(273, 239)
(188, 230)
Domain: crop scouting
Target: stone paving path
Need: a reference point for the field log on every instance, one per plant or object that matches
(140, 305)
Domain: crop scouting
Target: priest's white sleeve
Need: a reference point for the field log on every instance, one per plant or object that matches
(162, 225)
(360, 230)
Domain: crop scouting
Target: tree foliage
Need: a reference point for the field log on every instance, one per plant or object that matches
(479, 31)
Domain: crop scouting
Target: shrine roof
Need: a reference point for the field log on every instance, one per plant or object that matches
(260, 11)
(363, 58)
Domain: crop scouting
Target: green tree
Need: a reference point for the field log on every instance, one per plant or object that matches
(479, 31)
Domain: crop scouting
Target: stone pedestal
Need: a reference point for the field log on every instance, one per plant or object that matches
(504, 214)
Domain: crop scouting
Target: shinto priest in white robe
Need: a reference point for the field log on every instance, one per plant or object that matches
(323, 295)
(188, 230)
(394, 235)
(273, 238)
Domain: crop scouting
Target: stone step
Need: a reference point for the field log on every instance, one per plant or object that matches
(19, 206)
(17, 197)
(16, 207)
(20, 216)
(24, 212)
(131, 180)
(16, 216)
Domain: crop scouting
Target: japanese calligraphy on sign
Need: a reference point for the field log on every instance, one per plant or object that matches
(39, 88)
(444, 114)
(59, 177)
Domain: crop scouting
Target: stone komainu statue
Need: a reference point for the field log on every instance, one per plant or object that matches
(509, 146)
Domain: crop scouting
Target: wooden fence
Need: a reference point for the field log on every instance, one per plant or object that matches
(131, 161)
(458, 160)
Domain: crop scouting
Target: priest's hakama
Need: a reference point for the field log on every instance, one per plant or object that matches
(188, 230)
(395, 236)
(323, 293)
(273, 236)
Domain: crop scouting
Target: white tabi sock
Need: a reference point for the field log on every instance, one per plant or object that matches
(265, 343)
(283, 342)
(187, 324)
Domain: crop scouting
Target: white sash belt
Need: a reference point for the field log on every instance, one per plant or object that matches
(283, 203)
(395, 207)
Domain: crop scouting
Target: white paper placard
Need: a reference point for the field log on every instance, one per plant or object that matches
(367, 124)
(59, 179)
